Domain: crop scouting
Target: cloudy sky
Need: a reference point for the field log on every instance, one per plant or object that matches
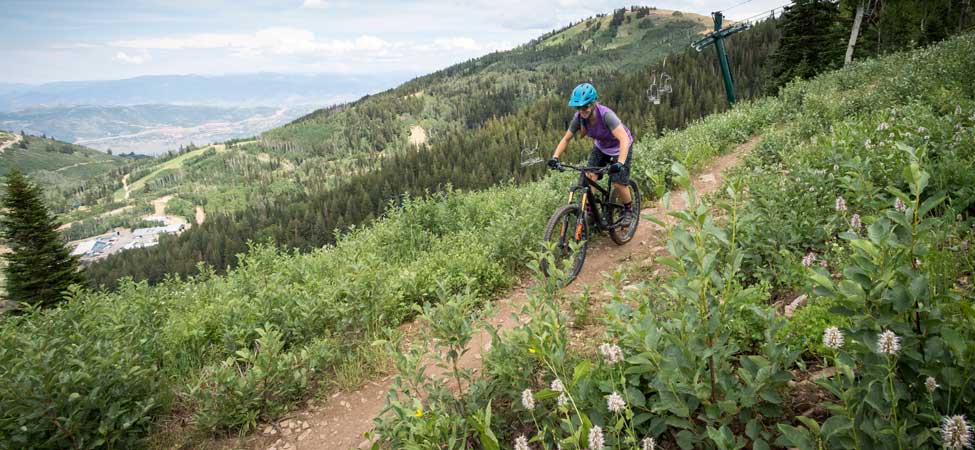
(60, 40)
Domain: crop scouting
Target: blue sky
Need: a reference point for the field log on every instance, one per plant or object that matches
(43, 41)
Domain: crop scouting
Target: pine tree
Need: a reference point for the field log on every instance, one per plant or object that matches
(811, 41)
(39, 266)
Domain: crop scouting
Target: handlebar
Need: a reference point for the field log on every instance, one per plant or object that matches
(599, 170)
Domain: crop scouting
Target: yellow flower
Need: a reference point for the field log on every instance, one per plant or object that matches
(419, 412)
(531, 349)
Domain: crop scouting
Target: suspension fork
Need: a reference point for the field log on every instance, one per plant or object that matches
(580, 219)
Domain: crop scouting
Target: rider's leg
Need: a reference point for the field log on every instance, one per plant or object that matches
(620, 182)
(621, 179)
(623, 191)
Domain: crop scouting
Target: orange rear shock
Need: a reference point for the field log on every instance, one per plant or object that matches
(582, 216)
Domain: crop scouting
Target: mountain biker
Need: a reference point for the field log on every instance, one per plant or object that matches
(612, 143)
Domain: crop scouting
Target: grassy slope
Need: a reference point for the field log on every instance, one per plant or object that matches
(70, 161)
(171, 164)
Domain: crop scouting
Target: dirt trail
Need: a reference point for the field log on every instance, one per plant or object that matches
(77, 165)
(125, 185)
(341, 422)
(113, 212)
(200, 215)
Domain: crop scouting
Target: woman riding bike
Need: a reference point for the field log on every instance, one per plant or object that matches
(612, 143)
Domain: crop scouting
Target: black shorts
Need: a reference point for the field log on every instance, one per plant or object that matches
(599, 159)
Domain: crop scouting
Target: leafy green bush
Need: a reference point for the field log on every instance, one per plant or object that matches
(903, 365)
(69, 382)
(251, 386)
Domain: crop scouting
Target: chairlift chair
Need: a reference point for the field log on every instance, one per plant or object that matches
(530, 156)
(665, 86)
(653, 94)
(871, 8)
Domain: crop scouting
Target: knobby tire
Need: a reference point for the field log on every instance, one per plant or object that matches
(566, 215)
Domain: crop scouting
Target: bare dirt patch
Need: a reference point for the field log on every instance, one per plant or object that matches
(7, 144)
(418, 136)
(125, 185)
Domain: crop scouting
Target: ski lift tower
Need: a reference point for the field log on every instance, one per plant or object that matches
(715, 37)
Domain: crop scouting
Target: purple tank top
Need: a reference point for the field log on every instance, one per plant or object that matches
(597, 130)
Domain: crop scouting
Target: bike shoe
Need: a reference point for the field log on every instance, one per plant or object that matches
(626, 219)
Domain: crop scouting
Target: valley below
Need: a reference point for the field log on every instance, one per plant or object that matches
(148, 129)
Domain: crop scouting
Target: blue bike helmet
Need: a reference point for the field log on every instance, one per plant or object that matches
(583, 95)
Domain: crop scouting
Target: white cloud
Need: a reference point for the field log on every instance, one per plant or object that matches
(315, 4)
(200, 40)
(76, 46)
(278, 40)
(132, 59)
(456, 43)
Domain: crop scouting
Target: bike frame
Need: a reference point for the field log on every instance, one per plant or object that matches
(585, 184)
(563, 231)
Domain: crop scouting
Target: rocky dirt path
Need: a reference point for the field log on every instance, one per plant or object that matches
(341, 422)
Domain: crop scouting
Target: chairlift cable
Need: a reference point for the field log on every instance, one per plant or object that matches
(735, 6)
(763, 13)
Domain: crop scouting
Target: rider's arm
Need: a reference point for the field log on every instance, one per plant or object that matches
(620, 133)
(563, 143)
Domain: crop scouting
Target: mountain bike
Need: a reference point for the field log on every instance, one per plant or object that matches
(569, 229)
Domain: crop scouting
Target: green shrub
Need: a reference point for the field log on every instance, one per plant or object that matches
(69, 382)
(254, 385)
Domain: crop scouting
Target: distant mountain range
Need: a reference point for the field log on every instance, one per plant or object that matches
(154, 114)
(259, 89)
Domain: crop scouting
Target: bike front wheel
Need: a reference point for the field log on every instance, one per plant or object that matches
(566, 240)
(618, 233)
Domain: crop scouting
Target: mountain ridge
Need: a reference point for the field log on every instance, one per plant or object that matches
(249, 89)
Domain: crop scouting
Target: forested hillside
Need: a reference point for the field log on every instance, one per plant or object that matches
(71, 175)
(300, 183)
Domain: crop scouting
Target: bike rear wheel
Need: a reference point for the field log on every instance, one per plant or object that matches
(566, 228)
(621, 235)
